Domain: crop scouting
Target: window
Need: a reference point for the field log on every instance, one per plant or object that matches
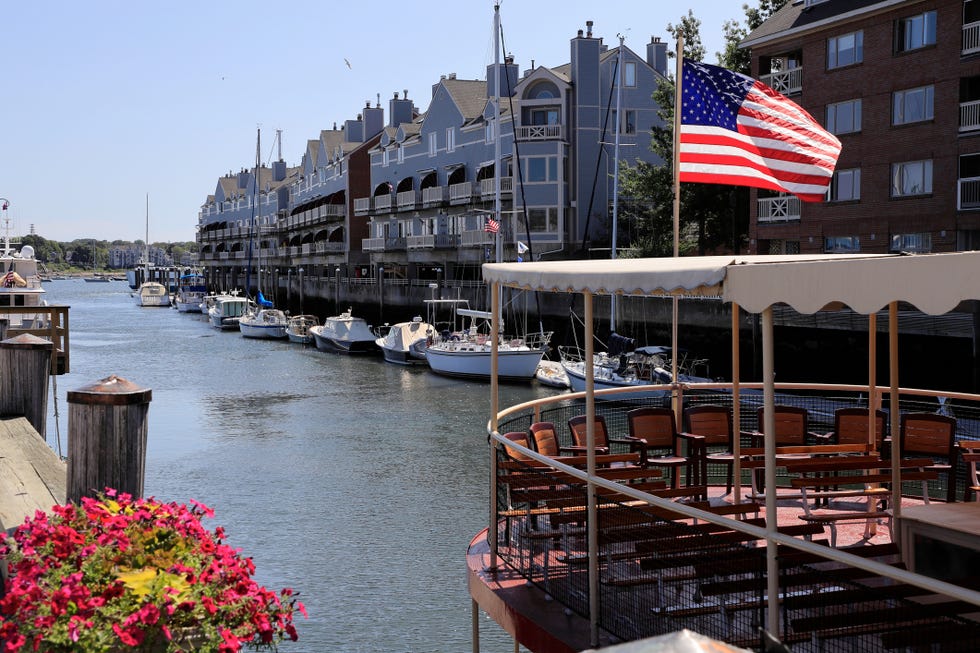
(845, 50)
(488, 133)
(629, 74)
(912, 105)
(915, 32)
(841, 244)
(630, 126)
(543, 116)
(845, 186)
(384, 157)
(543, 220)
(911, 178)
(844, 117)
(401, 154)
(450, 139)
(921, 242)
(541, 169)
(433, 143)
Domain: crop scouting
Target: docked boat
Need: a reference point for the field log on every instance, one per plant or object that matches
(551, 374)
(226, 311)
(149, 293)
(263, 322)
(404, 343)
(466, 354)
(298, 328)
(191, 290)
(345, 334)
(21, 284)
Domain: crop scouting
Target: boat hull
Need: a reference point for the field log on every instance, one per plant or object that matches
(152, 295)
(511, 365)
(259, 331)
(576, 380)
(341, 346)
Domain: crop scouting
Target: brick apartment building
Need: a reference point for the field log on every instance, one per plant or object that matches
(898, 81)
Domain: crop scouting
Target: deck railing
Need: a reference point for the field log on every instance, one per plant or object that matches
(648, 587)
(50, 323)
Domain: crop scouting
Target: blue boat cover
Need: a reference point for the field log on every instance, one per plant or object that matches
(263, 301)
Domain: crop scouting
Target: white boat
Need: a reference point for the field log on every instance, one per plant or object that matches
(466, 354)
(150, 293)
(20, 283)
(298, 328)
(259, 322)
(551, 374)
(405, 343)
(345, 334)
(625, 366)
(226, 310)
(190, 293)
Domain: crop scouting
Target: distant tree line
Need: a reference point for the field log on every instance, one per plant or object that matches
(89, 253)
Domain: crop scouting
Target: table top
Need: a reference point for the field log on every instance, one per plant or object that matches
(962, 516)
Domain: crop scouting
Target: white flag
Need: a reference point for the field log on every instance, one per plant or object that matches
(521, 247)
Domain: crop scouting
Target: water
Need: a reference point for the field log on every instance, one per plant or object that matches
(356, 482)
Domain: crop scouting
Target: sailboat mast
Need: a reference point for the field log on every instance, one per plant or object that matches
(615, 202)
(146, 243)
(496, 130)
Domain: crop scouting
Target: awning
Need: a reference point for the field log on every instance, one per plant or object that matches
(453, 166)
(424, 172)
(933, 283)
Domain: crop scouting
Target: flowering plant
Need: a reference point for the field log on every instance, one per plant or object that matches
(119, 573)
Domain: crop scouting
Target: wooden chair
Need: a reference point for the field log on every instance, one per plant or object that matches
(521, 438)
(544, 438)
(658, 429)
(970, 453)
(933, 435)
(792, 425)
(577, 425)
(851, 427)
(708, 429)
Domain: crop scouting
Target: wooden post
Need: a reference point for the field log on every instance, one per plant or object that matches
(25, 363)
(107, 437)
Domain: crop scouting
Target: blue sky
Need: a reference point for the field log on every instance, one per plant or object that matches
(106, 102)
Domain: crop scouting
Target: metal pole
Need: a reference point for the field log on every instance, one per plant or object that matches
(593, 534)
(615, 206)
(496, 131)
(675, 308)
(768, 430)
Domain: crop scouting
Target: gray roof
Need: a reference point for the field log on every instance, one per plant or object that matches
(794, 16)
(470, 95)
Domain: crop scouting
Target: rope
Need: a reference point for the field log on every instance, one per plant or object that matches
(57, 425)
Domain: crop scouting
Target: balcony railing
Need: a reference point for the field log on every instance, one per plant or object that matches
(421, 242)
(539, 132)
(373, 244)
(787, 82)
(382, 202)
(779, 209)
(971, 38)
(487, 186)
(434, 196)
(461, 193)
(476, 238)
(327, 247)
(408, 200)
(362, 205)
(969, 116)
(968, 194)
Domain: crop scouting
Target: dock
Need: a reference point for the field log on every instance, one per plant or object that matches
(32, 476)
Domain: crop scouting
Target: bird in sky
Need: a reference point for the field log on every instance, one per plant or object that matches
(346, 62)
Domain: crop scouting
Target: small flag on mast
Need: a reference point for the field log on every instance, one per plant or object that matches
(736, 130)
(491, 226)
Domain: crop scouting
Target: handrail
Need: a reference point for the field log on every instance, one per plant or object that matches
(56, 331)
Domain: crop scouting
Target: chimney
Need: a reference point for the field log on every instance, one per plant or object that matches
(657, 55)
(588, 29)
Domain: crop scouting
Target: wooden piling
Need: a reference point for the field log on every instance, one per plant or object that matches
(25, 362)
(107, 437)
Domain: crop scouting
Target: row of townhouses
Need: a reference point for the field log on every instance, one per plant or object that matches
(131, 256)
(410, 195)
(898, 81)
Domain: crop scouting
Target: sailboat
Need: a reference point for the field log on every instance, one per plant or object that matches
(261, 319)
(150, 293)
(467, 353)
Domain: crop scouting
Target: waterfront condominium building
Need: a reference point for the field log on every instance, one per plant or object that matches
(898, 81)
(412, 195)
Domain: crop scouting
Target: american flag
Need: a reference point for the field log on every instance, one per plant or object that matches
(491, 226)
(736, 130)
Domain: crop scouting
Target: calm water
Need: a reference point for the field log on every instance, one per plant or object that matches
(356, 482)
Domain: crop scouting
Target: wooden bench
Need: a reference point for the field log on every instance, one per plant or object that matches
(835, 477)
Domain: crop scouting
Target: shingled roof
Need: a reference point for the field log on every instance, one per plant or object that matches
(796, 16)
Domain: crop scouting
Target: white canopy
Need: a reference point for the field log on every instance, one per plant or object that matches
(933, 283)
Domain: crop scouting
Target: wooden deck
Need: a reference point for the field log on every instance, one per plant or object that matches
(32, 476)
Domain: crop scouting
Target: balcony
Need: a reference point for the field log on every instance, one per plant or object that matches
(461, 193)
(328, 248)
(539, 133)
(476, 238)
(971, 38)
(487, 186)
(779, 209)
(787, 82)
(373, 244)
(362, 205)
(969, 116)
(968, 194)
(421, 242)
(434, 196)
(408, 200)
(382, 203)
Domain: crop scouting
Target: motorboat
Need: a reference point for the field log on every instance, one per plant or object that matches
(345, 334)
(298, 328)
(260, 322)
(226, 311)
(404, 343)
(152, 293)
(20, 283)
(466, 354)
(551, 374)
(191, 290)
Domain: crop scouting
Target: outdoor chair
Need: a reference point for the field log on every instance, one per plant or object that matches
(578, 424)
(791, 428)
(658, 429)
(708, 430)
(851, 427)
(933, 435)
(521, 438)
(970, 452)
(544, 440)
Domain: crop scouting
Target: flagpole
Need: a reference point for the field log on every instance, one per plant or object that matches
(677, 212)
